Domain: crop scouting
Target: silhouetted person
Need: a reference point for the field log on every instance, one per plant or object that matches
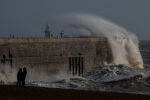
(19, 77)
(24, 73)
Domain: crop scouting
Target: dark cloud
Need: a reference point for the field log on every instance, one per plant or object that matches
(28, 17)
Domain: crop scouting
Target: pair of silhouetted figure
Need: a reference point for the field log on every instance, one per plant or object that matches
(21, 76)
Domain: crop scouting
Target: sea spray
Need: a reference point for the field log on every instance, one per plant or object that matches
(38, 75)
(124, 44)
(7, 74)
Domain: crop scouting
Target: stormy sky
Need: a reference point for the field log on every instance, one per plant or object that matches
(27, 18)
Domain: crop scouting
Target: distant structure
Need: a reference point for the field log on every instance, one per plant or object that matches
(48, 33)
(61, 34)
(12, 36)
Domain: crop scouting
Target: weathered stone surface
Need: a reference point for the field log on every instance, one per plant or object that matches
(53, 54)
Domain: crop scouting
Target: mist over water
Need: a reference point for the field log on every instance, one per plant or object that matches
(124, 44)
(7, 74)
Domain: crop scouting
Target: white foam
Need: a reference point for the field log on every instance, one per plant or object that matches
(124, 44)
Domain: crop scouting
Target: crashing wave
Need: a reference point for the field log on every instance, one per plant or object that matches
(102, 75)
(124, 44)
(111, 73)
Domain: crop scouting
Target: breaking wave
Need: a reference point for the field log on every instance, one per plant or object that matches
(118, 78)
(124, 44)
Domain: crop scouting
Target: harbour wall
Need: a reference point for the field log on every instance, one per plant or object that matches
(68, 55)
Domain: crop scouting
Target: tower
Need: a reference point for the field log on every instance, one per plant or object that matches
(61, 34)
(48, 33)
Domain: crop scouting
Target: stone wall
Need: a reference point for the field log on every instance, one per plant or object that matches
(52, 55)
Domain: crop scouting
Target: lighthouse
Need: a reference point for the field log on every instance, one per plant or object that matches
(48, 33)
